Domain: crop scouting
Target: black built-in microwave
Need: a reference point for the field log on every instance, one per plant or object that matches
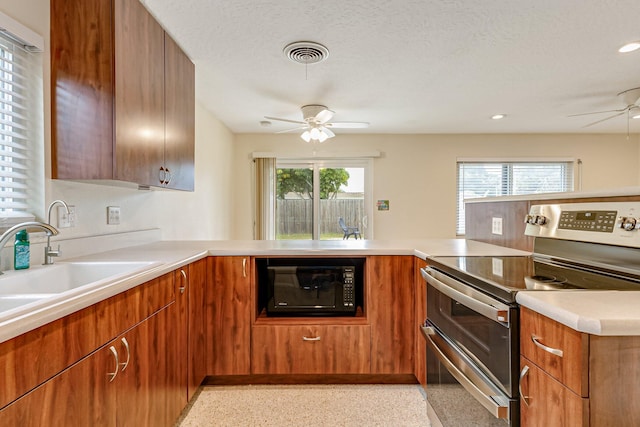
(311, 286)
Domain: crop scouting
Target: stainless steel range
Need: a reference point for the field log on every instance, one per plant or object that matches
(472, 325)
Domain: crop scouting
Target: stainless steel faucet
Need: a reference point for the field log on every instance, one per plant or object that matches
(49, 253)
(4, 239)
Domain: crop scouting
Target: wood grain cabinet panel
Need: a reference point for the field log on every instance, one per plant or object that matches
(311, 349)
(571, 368)
(420, 316)
(548, 402)
(390, 310)
(228, 316)
(123, 96)
(131, 380)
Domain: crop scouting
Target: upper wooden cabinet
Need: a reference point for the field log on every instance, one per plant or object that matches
(123, 96)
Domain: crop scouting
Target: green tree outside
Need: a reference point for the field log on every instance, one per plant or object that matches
(300, 181)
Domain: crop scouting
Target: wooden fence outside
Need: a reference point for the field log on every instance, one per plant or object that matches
(295, 216)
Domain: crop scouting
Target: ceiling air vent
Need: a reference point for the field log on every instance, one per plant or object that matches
(306, 52)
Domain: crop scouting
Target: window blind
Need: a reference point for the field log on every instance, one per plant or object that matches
(21, 131)
(491, 179)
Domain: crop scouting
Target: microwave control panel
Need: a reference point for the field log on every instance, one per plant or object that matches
(348, 286)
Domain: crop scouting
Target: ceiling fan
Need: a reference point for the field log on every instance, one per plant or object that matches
(316, 123)
(631, 100)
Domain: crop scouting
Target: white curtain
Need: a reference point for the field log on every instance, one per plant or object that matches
(265, 204)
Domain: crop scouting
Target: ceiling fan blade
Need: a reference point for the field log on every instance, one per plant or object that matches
(347, 125)
(605, 119)
(327, 131)
(285, 120)
(621, 110)
(324, 116)
(292, 130)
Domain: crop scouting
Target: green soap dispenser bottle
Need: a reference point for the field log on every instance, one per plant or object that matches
(21, 250)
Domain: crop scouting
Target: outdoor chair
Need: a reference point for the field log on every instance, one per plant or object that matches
(348, 231)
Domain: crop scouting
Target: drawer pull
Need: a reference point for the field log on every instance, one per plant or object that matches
(523, 373)
(184, 281)
(554, 351)
(126, 346)
(310, 338)
(112, 375)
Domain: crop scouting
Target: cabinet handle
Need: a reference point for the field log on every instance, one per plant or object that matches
(551, 350)
(244, 267)
(161, 175)
(310, 338)
(114, 374)
(126, 346)
(184, 280)
(523, 373)
(167, 176)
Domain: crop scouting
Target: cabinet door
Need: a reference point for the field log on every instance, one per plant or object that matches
(79, 396)
(139, 94)
(311, 349)
(547, 402)
(390, 309)
(148, 377)
(228, 316)
(179, 117)
(420, 316)
(191, 281)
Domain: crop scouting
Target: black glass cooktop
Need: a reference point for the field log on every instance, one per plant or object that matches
(503, 277)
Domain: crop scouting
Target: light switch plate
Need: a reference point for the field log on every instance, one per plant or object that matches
(113, 215)
(496, 226)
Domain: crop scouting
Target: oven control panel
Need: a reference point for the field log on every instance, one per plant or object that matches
(601, 221)
(611, 223)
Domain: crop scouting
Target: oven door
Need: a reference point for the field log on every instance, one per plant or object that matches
(459, 393)
(472, 348)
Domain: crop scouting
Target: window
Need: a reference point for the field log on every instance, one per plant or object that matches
(499, 178)
(21, 126)
(312, 195)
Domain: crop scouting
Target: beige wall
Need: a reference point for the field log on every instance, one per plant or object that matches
(417, 173)
(180, 215)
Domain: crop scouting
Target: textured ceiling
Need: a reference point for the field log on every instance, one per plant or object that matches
(413, 66)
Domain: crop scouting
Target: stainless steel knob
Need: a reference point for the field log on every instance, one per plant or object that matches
(541, 220)
(628, 223)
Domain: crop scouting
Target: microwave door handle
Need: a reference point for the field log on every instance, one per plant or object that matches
(496, 409)
(470, 298)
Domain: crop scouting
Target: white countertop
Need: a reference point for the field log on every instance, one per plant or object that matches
(607, 313)
(613, 313)
(167, 256)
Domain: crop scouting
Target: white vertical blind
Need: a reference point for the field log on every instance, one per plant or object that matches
(490, 179)
(21, 130)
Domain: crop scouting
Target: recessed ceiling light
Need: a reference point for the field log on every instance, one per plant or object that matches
(637, 116)
(498, 116)
(630, 47)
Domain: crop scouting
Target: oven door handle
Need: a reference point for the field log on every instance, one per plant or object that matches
(497, 409)
(467, 296)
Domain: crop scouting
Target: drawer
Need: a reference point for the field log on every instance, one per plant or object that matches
(548, 402)
(557, 349)
(311, 349)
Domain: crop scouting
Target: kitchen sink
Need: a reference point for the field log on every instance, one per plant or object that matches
(45, 280)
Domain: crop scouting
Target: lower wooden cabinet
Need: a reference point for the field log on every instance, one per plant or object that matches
(311, 349)
(129, 381)
(228, 315)
(548, 402)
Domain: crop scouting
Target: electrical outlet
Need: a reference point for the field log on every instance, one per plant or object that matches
(113, 215)
(66, 220)
(496, 226)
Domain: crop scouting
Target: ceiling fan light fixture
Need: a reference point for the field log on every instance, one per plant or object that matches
(498, 116)
(306, 135)
(323, 137)
(630, 47)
